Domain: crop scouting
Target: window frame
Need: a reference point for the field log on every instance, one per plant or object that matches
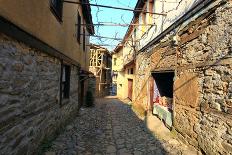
(78, 27)
(84, 49)
(56, 7)
(65, 78)
(115, 61)
(132, 71)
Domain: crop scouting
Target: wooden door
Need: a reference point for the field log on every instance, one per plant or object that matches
(151, 87)
(130, 88)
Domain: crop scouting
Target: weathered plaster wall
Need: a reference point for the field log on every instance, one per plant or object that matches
(36, 18)
(174, 9)
(29, 95)
(202, 88)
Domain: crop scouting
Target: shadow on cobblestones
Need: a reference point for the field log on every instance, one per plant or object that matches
(111, 127)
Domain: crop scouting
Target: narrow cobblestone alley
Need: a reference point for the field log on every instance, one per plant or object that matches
(111, 127)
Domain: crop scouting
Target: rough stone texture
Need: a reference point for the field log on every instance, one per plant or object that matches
(160, 57)
(208, 56)
(203, 83)
(111, 127)
(29, 97)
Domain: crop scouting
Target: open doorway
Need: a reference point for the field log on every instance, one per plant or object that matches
(162, 95)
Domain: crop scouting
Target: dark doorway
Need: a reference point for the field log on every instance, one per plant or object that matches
(164, 82)
(81, 91)
(161, 87)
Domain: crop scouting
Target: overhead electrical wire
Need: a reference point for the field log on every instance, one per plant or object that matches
(118, 8)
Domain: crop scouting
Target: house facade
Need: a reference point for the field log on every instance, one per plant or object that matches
(100, 64)
(123, 65)
(183, 69)
(43, 61)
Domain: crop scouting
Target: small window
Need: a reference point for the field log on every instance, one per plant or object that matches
(132, 71)
(65, 78)
(115, 61)
(83, 39)
(57, 8)
(78, 27)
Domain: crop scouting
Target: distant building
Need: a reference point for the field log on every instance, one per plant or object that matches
(43, 69)
(100, 64)
(123, 67)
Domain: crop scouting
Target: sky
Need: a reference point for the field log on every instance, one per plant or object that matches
(100, 14)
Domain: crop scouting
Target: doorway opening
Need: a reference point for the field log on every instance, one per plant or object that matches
(162, 96)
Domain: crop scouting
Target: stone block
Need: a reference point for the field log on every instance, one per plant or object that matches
(216, 106)
(18, 67)
(229, 111)
(209, 72)
(28, 88)
(227, 147)
(204, 106)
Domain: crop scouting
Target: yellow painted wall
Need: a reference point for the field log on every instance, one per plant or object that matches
(36, 18)
(129, 76)
(120, 80)
(119, 62)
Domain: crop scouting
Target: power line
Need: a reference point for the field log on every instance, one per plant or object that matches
(97, 36)
(105, 37)
(102, 45)
(114, 24)
(118, 8)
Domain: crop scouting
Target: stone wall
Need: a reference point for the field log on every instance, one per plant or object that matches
(202, 60)
(204, 68)
(160, 58)
(29, 97)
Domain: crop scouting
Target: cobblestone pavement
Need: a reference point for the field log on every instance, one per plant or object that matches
(111, 127)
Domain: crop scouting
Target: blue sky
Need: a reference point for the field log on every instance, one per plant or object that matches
(100, 14)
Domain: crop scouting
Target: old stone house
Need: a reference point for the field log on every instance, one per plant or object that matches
(183, 67)
(43, 61)
(100, 65)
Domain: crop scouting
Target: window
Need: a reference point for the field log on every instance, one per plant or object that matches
(57, 8)
(65, 81)
(132, 71)
(83, 39)
(115, 61)
(78, 27)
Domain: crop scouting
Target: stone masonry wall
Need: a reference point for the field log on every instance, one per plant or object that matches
(29, 97)
(160, 58)
(202, 61)
(203, 113)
